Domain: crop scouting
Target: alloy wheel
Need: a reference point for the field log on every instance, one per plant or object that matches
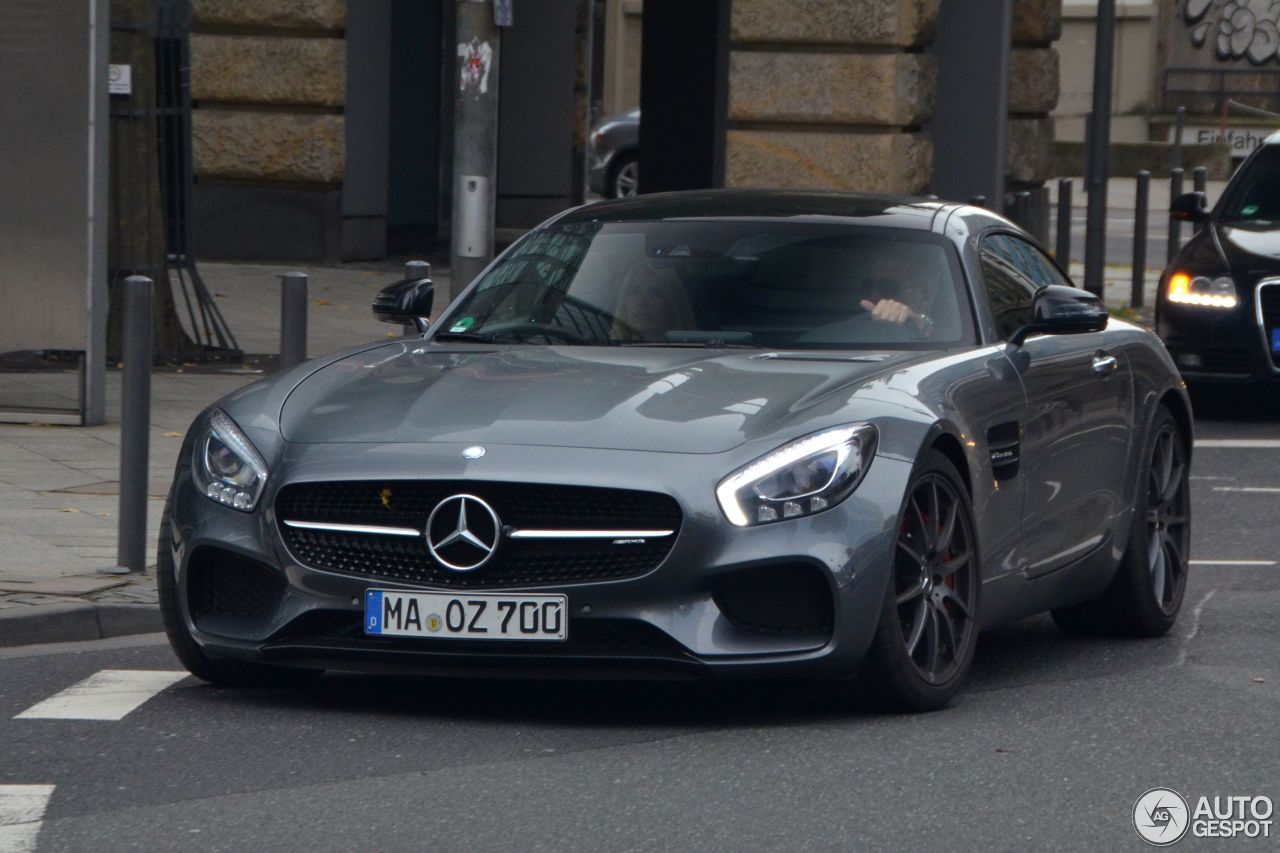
(935, 581)
(625, 182)
(1167, 529)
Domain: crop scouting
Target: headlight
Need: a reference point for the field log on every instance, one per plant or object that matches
(1219, 292)
(806, 476)
(227, 467)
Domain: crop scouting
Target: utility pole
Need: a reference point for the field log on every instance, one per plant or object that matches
(1095, 235)
(475, 141)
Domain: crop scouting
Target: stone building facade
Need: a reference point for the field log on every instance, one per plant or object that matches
(832, 94)
(268, 125)
(838, 94)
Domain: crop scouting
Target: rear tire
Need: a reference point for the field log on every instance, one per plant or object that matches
(1146, 594)
(226, 673)
(928, 629)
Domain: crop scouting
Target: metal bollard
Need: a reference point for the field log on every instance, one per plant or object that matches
(978, 200)
(135, 426)
(1064, 222)
(1140, 239)
(1175, 227)
(1200, 182)
(293, 319)
(415, 271)
(1177, 137)
(1022, 209)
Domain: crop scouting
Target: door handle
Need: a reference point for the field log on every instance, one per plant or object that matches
(1104, 365)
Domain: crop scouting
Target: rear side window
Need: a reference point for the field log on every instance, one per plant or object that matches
(1011, 273)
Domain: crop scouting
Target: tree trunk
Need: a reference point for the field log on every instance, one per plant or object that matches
(136, 216)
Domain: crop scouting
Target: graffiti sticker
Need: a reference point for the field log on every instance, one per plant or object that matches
(475, 57)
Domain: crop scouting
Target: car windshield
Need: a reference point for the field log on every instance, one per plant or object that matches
(720, 283)
(1254, 193)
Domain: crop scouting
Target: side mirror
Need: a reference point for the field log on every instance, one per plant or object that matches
(1061, 310)
(406, 302)
(1190, 207)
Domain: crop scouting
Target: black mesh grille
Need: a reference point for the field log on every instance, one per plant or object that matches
(1270, 298)
(220, 583)
(788, 599)
(516, 563)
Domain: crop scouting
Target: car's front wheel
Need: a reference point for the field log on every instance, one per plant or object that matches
(228, 673)
(1145, 596)
(928, 627)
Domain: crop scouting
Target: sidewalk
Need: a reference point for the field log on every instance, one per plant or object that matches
(59, 488)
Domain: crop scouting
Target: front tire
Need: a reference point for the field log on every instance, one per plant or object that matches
(928, 630)
(226, 673)
(1146, 594)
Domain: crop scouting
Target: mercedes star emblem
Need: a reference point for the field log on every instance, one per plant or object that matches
(463, 532)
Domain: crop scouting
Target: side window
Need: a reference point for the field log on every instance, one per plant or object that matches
(1010, 273)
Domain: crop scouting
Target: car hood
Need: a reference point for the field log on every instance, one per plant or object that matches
(1250, 248)
(622, 398)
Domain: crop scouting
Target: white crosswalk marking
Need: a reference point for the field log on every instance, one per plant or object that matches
(1257, 490)
(1240, 443)
(21, 810)
(106, 695)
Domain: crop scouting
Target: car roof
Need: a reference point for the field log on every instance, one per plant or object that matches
(882, 210)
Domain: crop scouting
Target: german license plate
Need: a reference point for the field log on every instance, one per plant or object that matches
(474, 616)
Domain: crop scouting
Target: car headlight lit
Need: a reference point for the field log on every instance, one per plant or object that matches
(800, 478)
(1186, 289)
(227, 467)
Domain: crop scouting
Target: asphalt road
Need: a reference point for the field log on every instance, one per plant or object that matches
(1048, 747)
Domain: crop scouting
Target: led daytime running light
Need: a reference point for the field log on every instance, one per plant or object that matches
(1218, 293)
(853, 446)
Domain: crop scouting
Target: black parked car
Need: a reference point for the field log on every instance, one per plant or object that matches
(1218, 308)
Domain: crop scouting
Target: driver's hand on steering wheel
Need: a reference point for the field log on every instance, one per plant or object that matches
(889, 311)
(898, 313)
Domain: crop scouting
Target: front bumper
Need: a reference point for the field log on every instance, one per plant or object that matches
(670, 622)
(1225, 346)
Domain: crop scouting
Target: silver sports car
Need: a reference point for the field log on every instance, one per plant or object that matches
(726, 434)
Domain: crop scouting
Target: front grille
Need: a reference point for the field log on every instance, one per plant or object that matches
(220, 583)
(517, 562)
(1269, 298)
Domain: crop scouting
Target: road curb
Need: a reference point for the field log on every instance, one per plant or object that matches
(75, 621)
